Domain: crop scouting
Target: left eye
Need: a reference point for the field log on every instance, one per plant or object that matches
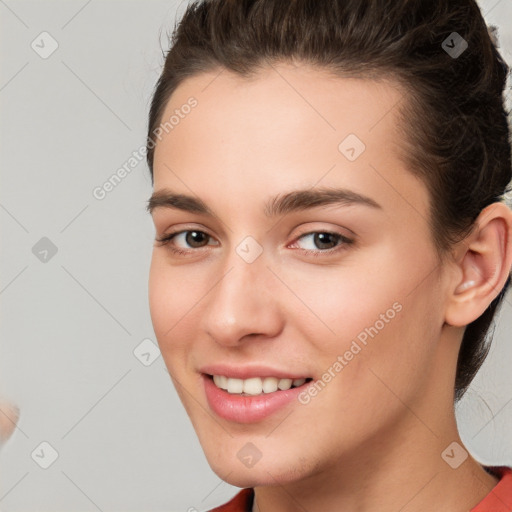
(322, 240)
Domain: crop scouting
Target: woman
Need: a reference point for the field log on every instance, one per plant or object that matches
(331, 246)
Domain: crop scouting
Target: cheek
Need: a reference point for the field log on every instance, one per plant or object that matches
(335, 305)
(375, 315)
(391, 349)
(159, 296)
(171, 295)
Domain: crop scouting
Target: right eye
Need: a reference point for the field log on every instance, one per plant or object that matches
(185, 241)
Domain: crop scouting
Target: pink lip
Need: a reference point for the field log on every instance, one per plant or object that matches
(238, 372)
(246, 408)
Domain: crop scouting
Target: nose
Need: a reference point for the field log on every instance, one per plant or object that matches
(244, 303)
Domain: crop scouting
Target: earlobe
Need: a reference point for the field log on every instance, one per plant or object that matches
(484, 265)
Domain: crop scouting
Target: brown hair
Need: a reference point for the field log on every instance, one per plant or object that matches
(454, 123)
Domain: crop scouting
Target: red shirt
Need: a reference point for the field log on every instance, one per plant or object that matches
(498, 500)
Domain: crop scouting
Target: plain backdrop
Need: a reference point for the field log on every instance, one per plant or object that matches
(74, 270)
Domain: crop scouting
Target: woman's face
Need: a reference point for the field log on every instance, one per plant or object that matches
(304, 253)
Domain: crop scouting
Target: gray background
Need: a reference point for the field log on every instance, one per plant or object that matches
(70, 324)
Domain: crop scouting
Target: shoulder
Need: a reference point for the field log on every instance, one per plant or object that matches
(500, 497)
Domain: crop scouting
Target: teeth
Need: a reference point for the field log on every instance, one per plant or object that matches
(235, 385)
(220, 381)
(255, 385)
(285, 384)
(270, 384)
(223, 382)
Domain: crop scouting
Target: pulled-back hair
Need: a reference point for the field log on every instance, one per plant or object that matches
(456, 136)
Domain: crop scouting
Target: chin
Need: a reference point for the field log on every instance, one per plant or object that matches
(274, 469)
(245, 478)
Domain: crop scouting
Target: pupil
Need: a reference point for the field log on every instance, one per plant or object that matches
(195, 238)
(324, 239)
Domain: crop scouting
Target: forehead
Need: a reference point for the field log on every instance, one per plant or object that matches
(307, 99)
(285, 126)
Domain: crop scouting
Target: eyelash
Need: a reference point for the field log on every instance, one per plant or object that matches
(343, 243)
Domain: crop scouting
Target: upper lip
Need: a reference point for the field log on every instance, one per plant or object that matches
(247, 372)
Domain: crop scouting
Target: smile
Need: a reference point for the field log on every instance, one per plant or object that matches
(256, 385)
(252, 399)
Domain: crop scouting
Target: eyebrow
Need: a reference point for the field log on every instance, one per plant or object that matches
(294, 201)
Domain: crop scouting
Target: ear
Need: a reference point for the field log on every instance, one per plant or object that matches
(484, 261)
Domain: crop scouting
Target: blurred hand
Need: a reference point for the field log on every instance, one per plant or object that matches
(9, 415)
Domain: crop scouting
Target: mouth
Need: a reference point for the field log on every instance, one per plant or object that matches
(255, 386)
(253, 399)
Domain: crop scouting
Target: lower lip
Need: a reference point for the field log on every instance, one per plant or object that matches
(246, 408)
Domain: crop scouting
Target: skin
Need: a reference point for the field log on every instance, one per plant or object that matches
(372, 439)
(9, 415)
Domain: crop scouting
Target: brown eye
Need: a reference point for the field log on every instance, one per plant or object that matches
(186, 240)
(196, 238)
(322, 241)
(325, 240)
